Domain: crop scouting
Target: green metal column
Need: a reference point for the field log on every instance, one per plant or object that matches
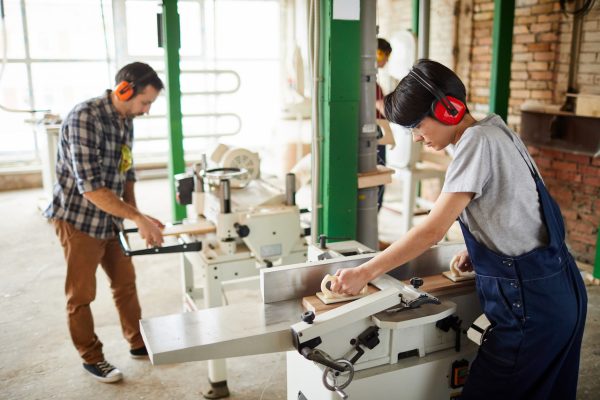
(596, 272)
(340, 44)
(415, 17)
(171, 43)
(504, 15)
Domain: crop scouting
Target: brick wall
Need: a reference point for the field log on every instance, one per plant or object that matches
(393, 16)
(588, 75)
(539, 73)
(443, 35)
(574, 182)
(396, 15)
(541, 55)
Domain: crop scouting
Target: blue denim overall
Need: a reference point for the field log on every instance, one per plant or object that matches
(536, 303)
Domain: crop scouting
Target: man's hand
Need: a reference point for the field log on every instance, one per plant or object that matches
(150, 229)
(155, 221)
(350, 281)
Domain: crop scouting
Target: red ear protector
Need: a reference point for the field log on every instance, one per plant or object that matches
(446, 109)
(126, 90)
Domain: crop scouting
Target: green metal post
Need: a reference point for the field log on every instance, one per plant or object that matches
(504, 15)
(597, 259)
(415, 30)
(340, 42)
(171, 41)
(415, 17)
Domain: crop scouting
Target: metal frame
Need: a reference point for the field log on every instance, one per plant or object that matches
(596, 272)
(214, 273)
(502, 37)
(340, 44)
(171, 41)
(415, 17)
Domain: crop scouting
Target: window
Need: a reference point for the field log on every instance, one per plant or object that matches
(51, 69)
(67, 59)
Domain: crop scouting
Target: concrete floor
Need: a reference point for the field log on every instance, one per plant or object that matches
(38, 361)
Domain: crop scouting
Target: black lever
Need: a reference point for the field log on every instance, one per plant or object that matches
(308, 317)
(368, 338)
(454, 323)
(422, 299)
(242, 230)
(182, 247)
(323, 240)
(319, 357)
(416, 282)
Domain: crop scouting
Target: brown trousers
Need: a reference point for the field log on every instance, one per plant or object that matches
(83, 253)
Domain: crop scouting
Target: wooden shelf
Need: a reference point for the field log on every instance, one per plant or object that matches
(380, 176)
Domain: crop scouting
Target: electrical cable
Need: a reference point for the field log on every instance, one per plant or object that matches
(105, 40)
(583, 10)
(5, 61)
(4, 39)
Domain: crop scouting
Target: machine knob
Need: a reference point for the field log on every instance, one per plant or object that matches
(322, 242)
(242, 230)
(416, 282)
(308, 317)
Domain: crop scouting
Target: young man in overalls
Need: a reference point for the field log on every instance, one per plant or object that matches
(528, 284)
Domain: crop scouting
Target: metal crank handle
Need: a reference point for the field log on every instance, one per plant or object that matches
(341, 393)
(318, 357)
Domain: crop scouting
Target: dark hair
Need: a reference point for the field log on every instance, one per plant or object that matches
(384, 46)
(141, 75)
(410, 102)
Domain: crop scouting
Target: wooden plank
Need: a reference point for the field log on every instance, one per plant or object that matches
(380, 176)
(313, 303)
(196, 228)
(463, 277)
(388, 136)
(437, 285)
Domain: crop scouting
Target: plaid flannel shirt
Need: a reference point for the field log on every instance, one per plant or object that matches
(89, 155)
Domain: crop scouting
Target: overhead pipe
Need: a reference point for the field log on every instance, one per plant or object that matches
(367, 226)
(572, 86)
(423, 27)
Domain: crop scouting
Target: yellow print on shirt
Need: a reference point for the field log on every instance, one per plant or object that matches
(126, 159)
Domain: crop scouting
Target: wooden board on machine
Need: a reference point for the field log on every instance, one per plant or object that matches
(195, 228)
(436, 285)
(313, 303)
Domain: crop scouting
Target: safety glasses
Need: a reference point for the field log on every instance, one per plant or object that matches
(418, 121)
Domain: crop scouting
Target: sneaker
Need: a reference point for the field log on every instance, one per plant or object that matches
(139, 353)
(104, 371)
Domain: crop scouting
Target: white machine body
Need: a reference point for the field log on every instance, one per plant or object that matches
(394, 339)
(259, 231)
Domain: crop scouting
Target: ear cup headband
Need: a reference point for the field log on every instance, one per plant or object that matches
(126, 90)
(446, 109)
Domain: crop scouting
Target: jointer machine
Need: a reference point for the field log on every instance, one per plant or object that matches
(406, 339)
(236, 226)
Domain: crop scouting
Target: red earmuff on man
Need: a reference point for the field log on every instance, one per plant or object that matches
(446, 109)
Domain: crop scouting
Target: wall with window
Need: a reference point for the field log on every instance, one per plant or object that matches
(52, 61)
(55, 61)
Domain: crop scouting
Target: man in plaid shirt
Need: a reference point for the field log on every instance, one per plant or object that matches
(93, 195)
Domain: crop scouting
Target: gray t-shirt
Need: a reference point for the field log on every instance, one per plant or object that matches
(505, 213)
